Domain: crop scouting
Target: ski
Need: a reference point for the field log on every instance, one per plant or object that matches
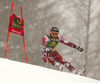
(83, 73)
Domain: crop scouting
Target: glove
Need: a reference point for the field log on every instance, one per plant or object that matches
(48, 50)
(78, 48)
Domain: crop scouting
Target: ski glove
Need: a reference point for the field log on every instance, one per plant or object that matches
(48, 50)
(78, 48)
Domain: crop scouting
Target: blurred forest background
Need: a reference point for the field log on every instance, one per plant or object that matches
(77, 20)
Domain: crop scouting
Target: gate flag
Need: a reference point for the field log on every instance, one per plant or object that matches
(16, 25)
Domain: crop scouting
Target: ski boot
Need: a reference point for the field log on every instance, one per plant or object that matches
(58, 66)
(78, 72)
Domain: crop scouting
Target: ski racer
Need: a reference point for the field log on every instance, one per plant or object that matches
(50, 54)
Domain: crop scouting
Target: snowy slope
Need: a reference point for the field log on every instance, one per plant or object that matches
(17, 72)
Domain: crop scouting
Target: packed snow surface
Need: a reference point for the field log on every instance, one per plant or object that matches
(17, 72)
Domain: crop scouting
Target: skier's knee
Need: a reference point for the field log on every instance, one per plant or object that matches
(44, 57)
(69, 66)
(58, 66)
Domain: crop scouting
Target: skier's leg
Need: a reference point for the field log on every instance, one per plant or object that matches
(66, 63)
(47, 58)
(70, 67)
(59, 59)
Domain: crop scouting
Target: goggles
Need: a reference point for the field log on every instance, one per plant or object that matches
(54, 33)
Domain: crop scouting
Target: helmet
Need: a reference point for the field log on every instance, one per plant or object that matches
(54, 32)
(54, 29)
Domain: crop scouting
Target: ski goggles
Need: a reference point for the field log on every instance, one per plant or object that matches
(54, 33)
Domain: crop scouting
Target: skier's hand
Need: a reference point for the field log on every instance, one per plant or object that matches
(80, 48)
(48, 50)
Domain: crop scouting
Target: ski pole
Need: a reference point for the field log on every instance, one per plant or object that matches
(83, 61)
(47, 62)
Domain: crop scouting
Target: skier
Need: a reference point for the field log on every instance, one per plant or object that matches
(50, 54)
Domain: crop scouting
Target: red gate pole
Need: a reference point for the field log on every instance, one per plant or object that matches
(23, 37)
(6, 45)
(8, 34)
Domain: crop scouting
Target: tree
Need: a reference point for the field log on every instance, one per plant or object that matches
(88, 17)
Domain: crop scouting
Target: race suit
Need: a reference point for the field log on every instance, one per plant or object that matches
(47, 41)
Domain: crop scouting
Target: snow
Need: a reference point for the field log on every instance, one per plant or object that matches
(17, 72)
(7, 7)
(2, 44)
